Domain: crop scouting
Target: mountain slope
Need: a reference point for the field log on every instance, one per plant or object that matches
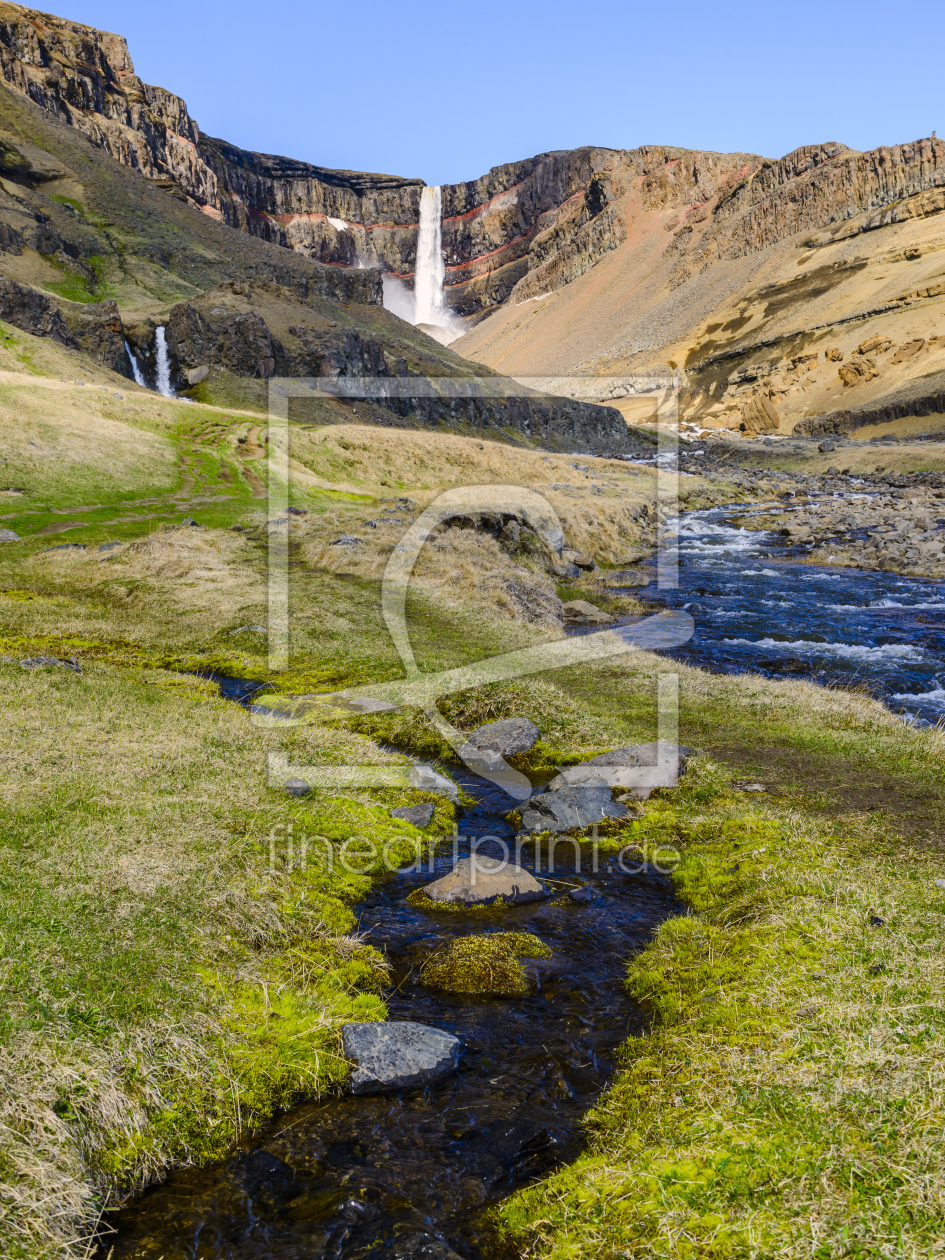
(96, 254)
(752, 276)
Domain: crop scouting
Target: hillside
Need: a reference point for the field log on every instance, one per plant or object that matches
(96, 255)
(805, 291)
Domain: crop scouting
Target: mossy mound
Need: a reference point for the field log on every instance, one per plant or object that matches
(485, 964)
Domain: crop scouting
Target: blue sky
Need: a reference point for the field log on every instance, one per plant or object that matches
(444, 91)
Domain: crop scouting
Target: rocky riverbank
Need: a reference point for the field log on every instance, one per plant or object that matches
(879, 519)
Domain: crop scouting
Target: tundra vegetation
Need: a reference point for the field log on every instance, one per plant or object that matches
(166, 986)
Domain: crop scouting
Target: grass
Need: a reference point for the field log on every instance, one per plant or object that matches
(166, 986)
(788, 1099)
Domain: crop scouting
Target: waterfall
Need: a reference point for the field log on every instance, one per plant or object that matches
(135, 367)
(429, 297)
(431, 270)
(427, 304)
(163, 382)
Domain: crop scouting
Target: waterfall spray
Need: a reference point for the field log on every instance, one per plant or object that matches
(163, 382)
(135, 367)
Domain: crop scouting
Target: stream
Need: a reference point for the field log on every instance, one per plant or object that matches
(411, 1175)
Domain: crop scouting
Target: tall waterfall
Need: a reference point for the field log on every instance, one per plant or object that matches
(427, 304)
(431, 270)
(135, 367)
(163, 382)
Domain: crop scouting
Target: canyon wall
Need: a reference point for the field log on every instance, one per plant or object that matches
(654, 257)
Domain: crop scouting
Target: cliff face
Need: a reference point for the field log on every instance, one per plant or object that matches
(497, 230)
(588, 262)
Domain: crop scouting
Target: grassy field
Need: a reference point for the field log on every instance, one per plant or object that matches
(166, 985)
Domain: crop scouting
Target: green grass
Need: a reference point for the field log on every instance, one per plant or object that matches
(788, 1101)
(166, 987)
(164, 984)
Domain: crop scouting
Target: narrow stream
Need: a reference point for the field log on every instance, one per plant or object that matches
(410, 1174)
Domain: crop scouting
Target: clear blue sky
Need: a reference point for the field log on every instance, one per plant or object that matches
(444, 91)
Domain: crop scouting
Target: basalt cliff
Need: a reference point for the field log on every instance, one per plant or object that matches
(805, 291)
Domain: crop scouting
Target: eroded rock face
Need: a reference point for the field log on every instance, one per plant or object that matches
(34, 312)
(238, 342)
(99, 330)
(482, 881)
(403, 1055)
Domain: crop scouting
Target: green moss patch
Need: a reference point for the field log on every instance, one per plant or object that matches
(485, 964)
(788, 1101)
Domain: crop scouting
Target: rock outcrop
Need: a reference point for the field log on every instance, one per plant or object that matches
(721, 266)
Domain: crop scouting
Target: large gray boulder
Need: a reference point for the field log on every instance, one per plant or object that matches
(398, 1055)
(481, 881)
(505, 737)
(570, 808)
(637, 768)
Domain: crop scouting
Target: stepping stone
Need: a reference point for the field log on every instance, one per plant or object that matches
(418, 815)
(570, 809)
(398, 1055)
(482, 881)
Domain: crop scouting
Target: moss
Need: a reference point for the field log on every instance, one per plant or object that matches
(485, 964)
(772, 1103)
(420, 901)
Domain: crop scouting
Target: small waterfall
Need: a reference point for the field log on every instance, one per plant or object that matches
(431, 270)
(135, 367)
(163, 382)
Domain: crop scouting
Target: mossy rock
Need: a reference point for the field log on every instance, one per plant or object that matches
(420, 901)
(487, 964)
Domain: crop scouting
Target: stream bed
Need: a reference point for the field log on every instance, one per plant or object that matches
(410, 1175)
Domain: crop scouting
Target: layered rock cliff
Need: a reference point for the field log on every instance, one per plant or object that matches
(591, 263)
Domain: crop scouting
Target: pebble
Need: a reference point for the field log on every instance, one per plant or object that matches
(297, 787)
